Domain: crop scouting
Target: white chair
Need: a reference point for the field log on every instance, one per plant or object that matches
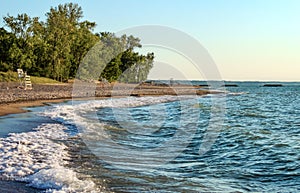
(24, 79)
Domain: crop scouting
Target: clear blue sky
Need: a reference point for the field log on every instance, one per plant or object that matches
(248, 39)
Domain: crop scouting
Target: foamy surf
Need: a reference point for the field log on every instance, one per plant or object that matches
(39, 158)
(84, 115)
(70, 113)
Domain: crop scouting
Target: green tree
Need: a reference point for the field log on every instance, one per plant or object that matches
(84, 40)
(139, 71)
(133, 67)
(101, 56)
(55, 48)
(112, 70)
(68, 39)
(42, 59)
(21, 50)
(7, 40)
(60, 26)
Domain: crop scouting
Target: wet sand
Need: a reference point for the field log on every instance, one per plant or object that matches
(18, 107)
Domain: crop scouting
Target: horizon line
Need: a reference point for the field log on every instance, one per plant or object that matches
(227, 80)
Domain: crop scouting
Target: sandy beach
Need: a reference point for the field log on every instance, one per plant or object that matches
(13, 99)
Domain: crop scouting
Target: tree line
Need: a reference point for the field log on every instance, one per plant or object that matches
(55, 48)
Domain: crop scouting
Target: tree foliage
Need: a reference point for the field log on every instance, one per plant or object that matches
(128, 65)
(56, 47)
(7, 42)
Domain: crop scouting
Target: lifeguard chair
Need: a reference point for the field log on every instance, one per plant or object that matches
(24, 79)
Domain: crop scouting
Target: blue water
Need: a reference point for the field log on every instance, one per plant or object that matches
(23, 122)
(258, 147)
(251, 142)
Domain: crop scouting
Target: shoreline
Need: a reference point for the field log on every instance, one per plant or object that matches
(18, 107)
(13, 100)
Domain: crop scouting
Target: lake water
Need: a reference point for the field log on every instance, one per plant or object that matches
(244, 140)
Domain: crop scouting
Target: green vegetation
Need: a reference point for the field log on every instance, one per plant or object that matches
(43, 80)
(8, 76)
(13, 77)
(56, 47)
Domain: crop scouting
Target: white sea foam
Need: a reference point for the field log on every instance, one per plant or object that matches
(60, 179)
(38, 158)
(76, 114)
(68, 113)
(94, 132)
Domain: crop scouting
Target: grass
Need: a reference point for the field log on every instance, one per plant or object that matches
(8, 76)
(42, 80)
(13, 77)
